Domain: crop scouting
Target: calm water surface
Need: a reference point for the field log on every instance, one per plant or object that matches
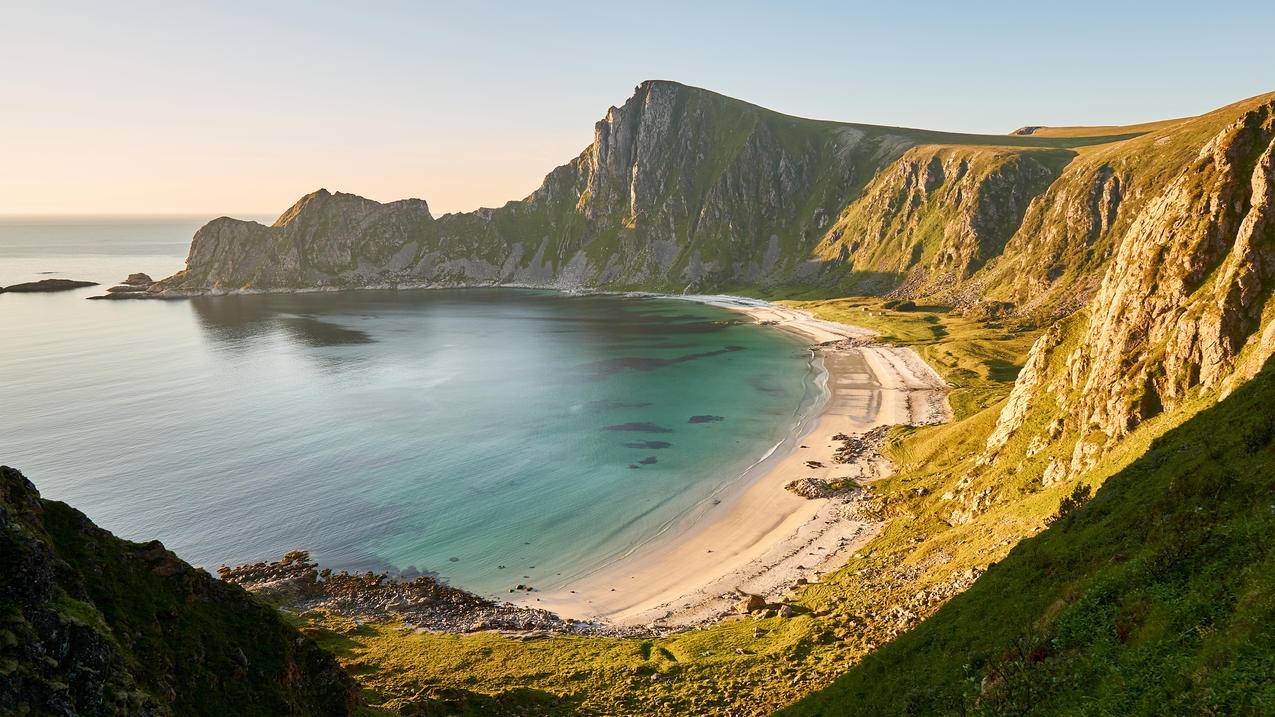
(444, 431)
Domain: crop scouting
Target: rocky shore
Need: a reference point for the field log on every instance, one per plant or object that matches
(134, 286)
(424, 603)
(44, 285)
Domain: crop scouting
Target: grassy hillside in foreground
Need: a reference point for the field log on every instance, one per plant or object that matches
(1157, 597)
(91, 624)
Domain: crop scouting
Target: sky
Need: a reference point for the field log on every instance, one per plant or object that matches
(240, 108)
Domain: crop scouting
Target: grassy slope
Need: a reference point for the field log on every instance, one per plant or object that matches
(725, 668)
(1101, 135)
(161, 634)
(1156, 598)
(1039, 271)
(1103, 130)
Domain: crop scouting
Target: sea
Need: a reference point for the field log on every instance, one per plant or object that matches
(485, 436)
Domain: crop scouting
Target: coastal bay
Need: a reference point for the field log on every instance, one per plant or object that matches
(375, 428)
(756, 537)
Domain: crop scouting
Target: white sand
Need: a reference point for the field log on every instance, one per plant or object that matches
(760, 537)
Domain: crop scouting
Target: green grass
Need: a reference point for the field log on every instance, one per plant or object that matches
(978, 359)
(1158, 597)
(92, 624)
(699, 671)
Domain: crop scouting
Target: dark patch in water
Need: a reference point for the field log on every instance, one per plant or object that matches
(605, 405)
(411, 573)
(643, 363)
(640, 427)
(653, 445)
(760, 384)
(706, 419)
(316, 332)
(634, 466)
(649, 461)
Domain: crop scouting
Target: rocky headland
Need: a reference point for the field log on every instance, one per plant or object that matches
(134, 286)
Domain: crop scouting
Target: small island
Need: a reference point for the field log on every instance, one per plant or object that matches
(46, 285)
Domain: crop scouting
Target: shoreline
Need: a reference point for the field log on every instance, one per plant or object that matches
(760, 538)
(756, 538)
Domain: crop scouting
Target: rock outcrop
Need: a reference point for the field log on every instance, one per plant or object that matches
(46, 285)
(422, 602)
(1184, 304)
(938, 214)
(94, 625)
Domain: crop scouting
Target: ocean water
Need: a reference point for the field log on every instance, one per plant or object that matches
(451, 432)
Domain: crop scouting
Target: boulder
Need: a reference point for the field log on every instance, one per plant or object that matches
(751, 603)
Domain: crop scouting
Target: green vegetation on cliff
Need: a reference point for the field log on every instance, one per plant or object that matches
(681, 188)
(94, 625)
(1155, 597)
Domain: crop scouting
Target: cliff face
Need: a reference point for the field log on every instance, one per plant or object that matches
(1183, 305)
(94, 625)
(937, 215)
(1154, 239)
(680, 189)
(322, 238)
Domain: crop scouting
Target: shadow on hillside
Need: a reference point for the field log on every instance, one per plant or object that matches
(517, 701)
(1001, 370)
(836, 281)
(1141, 601)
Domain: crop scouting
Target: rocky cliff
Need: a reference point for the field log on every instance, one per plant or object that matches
(680, 189)
(1153, 242)
(94, 625)
(1183, 305)
(938, 214)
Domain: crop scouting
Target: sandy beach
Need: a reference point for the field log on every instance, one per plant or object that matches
(759, 537)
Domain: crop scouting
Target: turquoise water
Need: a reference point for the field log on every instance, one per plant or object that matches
(452, 432)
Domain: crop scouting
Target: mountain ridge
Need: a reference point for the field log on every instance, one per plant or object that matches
(745, 195)
(685, 190)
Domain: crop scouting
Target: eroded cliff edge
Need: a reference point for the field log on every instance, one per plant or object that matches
(681, 189)
(91, 624)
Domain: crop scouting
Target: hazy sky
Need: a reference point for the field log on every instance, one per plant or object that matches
(239, 108)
